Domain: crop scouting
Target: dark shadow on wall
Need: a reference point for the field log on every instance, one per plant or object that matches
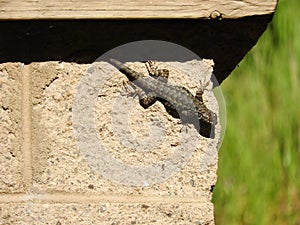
(82, 41)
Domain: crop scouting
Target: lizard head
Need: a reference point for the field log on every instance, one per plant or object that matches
(207, 123)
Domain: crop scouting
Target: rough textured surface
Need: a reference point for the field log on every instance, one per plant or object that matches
(106, 213)
(65, 187)
(59, 164)
(11, 157)
(83, 9)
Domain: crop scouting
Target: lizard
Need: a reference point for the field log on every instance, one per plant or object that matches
(178, 101)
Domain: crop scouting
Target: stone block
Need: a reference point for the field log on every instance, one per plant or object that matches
(11, 155)
(60, 164)
(90, 137)
(106, 213)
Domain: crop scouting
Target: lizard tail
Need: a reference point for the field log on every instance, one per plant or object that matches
(130, 73)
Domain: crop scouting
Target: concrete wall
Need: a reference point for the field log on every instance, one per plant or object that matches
(51, 172)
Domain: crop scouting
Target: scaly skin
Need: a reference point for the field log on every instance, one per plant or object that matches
(178, 101)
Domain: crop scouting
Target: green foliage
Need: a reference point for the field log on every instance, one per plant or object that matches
(259, 167)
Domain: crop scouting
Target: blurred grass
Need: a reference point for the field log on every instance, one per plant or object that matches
(259, 161)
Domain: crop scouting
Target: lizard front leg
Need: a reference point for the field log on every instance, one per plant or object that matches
(200, 91)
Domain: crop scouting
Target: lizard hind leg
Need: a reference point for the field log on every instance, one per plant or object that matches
(130, 88)
(159, 74)
(146, 100)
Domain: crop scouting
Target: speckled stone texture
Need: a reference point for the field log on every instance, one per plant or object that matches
(11, 156)
(106, 213)
(70, 183)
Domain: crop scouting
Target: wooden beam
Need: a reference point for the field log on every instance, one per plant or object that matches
(133, 9)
